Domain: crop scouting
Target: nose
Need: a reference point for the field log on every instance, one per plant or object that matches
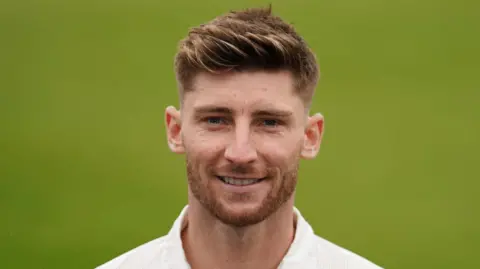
(241, 149)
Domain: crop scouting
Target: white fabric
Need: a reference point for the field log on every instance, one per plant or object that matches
(308, 251)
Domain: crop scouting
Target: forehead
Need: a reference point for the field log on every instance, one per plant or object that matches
(244, 91)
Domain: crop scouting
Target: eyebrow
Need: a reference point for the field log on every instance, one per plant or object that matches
(272, 113)
(212, 109)
(265, 112)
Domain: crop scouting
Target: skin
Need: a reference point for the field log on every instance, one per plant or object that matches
(241, 125)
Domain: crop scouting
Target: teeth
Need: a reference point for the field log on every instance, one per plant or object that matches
(239, 182)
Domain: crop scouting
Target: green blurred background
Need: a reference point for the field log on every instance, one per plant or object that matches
(86, 174)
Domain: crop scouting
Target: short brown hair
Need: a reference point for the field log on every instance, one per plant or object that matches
(250, 39)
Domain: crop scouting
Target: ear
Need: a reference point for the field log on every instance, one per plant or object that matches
(313, 136)
(174, 128)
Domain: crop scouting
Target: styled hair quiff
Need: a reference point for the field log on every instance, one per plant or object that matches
(247, 40)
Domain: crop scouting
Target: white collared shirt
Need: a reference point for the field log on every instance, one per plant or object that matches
(307, 251)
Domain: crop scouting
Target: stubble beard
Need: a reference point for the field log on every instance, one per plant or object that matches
(281, 192)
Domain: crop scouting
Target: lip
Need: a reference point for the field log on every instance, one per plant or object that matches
(243, 177)
(261, 184)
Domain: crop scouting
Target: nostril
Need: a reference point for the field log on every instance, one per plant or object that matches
(244, 154)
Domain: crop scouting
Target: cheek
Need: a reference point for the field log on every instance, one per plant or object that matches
(203, 145)
(280, 150)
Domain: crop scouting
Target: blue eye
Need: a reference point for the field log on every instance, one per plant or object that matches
(214, 120)
(271, 123)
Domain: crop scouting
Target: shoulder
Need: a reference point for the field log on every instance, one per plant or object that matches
(335, 256)
(146, 250)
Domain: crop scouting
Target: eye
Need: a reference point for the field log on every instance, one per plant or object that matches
(214, 120)
(270, 123)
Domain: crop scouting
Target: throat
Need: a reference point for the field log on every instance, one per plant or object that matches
(228, 247)
(210, 243)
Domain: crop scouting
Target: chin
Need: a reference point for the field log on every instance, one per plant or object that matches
(242, 214)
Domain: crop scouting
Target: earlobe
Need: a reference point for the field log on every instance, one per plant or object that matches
(173, 128)
(313, 136)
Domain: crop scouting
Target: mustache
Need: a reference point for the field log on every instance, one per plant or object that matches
(243, 169)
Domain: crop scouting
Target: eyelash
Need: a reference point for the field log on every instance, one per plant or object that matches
(217, 118)
(276, 122)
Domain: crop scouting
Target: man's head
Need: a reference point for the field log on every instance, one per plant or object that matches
(246, 81)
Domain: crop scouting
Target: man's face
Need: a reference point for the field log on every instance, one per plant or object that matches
(243, 135)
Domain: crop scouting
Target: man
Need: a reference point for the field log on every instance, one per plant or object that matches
(246, 82)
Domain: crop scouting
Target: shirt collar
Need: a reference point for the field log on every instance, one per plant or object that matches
(297, 254)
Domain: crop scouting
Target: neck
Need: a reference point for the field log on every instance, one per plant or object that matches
(209, 243)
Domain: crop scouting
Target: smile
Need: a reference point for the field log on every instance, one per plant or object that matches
(240, 181)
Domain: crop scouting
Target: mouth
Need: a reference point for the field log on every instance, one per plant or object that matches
(239, 181)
